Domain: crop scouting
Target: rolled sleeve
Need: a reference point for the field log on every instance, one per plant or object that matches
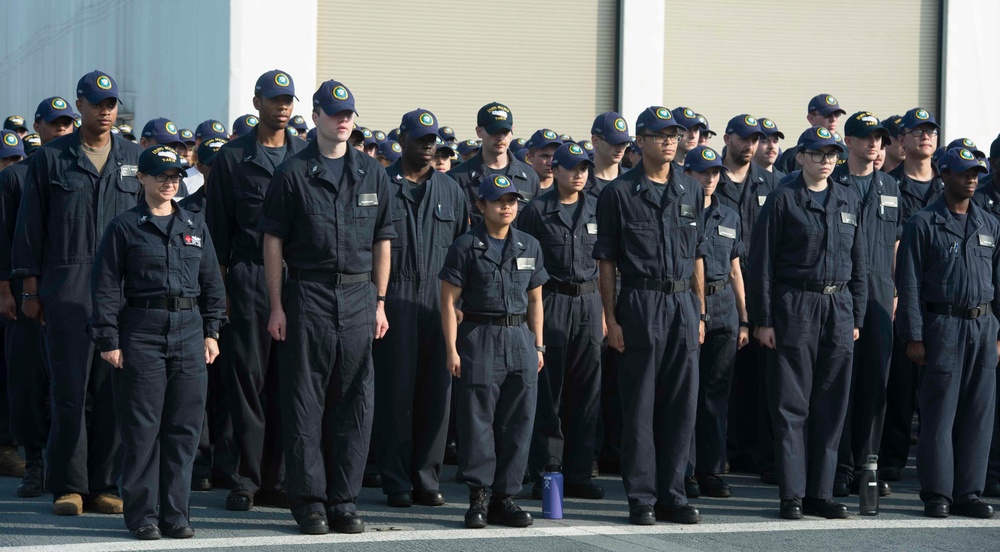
(279, 208)
(453, 270)
(539, 276)
(383, 221)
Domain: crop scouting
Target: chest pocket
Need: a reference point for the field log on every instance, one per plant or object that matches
(847, 226)
(249, 202)
(364, 222)
(484, 290)
(71, 196)
(146, 267)
(444, 219)
(190, 256)
(805, 243)
(641, 240)
(723, 239)
(888, 216)
(399, 225)
(983, 246)
(683, 233)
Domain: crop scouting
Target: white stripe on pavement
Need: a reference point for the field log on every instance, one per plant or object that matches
(535, 532)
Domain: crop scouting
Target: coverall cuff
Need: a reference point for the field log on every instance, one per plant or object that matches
(106, 344)
(212, 326)
(25, 273)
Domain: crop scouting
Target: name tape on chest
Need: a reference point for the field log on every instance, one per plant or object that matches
(849, 218)
(761, 200)
(130, 170)
(193, 241)
(367, 200)
(526, 263)
(592, 228)
(986, 240)
(687, 211)
(888, 201)
(727, 232)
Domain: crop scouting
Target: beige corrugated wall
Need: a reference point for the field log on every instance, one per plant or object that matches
(769, 57)
(553, 63)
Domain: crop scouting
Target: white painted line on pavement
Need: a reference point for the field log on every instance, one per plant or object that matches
(370, 536)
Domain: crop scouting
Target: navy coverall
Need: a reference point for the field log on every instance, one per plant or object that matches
(569, 387)
(469, 173)
(654, 243)
(724, 243)
(236, 187)
(65, 208)
(988, 198)
(807, 279)
(412, 387)
(902, 386)
(27, 374)
(326, 375)
(750, 435)
(946, 277)
(496, 393)
(880, 229)
(156, 296)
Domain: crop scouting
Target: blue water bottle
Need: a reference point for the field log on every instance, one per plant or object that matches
(552, 492)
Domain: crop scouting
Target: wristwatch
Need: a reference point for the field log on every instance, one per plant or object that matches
(540, 348)
(704, 317)
(213, 335)
(380, 298)
(744, 324)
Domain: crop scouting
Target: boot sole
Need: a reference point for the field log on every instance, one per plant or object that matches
(525, 523)
(30, 494)
(67, 510)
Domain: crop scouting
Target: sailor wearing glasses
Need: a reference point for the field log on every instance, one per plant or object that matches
(158, 302)
(807, 293)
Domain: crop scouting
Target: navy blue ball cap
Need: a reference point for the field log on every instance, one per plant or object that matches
(958, 160)
(611, 127)
(210, 129)
(208, 149)
(158, 159)
(588, 148)
(127, 131)
(298, 122)
(163, 130)
(31, 143)
(543, 137)
(744, 126)
(333, 97)
(825, 104)
(916, 117)
(244, 124)
(521, 155)
(10, 145)
(702, 158)
(517, 145)
(494, 117)
(446, 133)
(469, 146)
(494, 186)
(418, 123)
(770, 128)
(187, 136)
(275, 83)
(14, 122)
(892, 123)
(707, 130)
(570, 155)
(967, 144)
(816, 138)
(654, 119)
(97, 86)
(368, 136)
(865, 123)
(52, 108)
(391, 150)
(687, 117)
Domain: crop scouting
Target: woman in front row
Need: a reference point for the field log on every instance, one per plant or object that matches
(158, 304)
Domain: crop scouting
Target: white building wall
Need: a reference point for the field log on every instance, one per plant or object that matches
(169, 58)
(642, 66)
(970, 87)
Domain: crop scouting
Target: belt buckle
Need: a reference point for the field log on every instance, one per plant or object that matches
(829, 290)
(577, 288)
(669, 287)
(337, 278)
(977, 312)
(509, 320)
(173, 303)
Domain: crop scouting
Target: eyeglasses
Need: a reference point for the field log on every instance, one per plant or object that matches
(161, 178)
(922, 132)
(660, 138)
(821, 156)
